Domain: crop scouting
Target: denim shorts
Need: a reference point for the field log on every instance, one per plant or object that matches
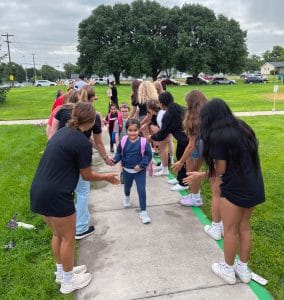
(197, 152)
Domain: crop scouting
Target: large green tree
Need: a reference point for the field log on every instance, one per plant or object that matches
(104, 43)
(277, 54)
(50, 73)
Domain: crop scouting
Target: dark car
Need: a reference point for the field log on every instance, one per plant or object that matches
(222, 80)
(254, 79)
(199, 80)
(169, 81)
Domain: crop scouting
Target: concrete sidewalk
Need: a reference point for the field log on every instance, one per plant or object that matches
(168, 259)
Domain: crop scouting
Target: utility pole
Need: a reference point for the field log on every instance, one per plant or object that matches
(11, 76)
(34, 66)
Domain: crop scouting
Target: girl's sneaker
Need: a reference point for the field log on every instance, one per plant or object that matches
(162, 172)
(221, 270)
(173, 181)
(189, 201)
(76, 269)
(145, 217)
(78, 281)
(243, 273)
(214, 231)
(126, 202)
(177, 187)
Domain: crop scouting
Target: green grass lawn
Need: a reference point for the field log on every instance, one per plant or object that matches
(27, 271)
(35, 103)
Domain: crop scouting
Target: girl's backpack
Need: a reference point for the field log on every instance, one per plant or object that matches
(143, 142)
(119, 120)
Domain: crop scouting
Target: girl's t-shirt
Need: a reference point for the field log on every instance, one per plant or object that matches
(245, 189)
(160, 117)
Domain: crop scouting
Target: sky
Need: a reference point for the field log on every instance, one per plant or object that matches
(48, 31)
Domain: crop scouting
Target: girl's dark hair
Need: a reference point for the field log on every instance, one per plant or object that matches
(82, 113)
(132, 122)
(167, 100)
(191, 123)
(220, 127)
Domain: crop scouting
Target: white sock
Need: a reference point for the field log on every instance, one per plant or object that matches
(242, 264)
(218, 224)
(166, 168)
(229, 268)
(67, 276)
(196, 196)
(59, 269)
(172, 159)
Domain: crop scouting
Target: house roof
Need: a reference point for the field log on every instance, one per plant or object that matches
(277, 64)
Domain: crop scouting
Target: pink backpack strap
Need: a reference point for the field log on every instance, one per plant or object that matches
(143, 145)
(123, 142)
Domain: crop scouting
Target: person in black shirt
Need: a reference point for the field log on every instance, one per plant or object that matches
(68, 154)
(172, 123)
(231, 151)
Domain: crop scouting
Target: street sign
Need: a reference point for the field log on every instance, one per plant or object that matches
(275, 89)
(11, 77)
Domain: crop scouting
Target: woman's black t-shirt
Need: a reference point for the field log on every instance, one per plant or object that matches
(244, 188)
(142, 107)
(52, 189)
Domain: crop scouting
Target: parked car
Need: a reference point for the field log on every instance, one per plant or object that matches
(169, 81)
(254, 79)
(222, 80)
(17, 84)
(99, 80)
(45, 83)
(264, 78)
(200, 80)
(68, 82)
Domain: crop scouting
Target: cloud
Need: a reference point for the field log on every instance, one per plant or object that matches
(49, 29)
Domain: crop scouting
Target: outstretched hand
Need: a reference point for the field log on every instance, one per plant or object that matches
(192, 177)
(112, 178)
(177, 166)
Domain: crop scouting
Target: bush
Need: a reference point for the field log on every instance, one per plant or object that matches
(3, 93)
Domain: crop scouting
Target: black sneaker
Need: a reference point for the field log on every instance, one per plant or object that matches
(121, 178)
(90, 231)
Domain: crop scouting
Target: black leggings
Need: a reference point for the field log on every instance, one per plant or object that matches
(179, 152)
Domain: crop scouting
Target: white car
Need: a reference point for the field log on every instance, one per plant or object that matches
(99, 80)
(45, 83)
(68, 82)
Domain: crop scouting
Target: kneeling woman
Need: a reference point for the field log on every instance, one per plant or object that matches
(67, 155)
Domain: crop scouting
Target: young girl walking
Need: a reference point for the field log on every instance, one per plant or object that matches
(231, 152)
(135, 154)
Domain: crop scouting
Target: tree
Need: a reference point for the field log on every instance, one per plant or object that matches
(103, 41)
(253, 63)
(153, 38)
(277, 54)
(16, 69)
(70, 69)
(49, 73)
(194, 44)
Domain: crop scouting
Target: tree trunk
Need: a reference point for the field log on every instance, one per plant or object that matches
(116, 77)
(155, 74)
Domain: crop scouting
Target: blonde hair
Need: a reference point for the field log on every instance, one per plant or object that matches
(191, 122)
(158, 86)
(147, 91)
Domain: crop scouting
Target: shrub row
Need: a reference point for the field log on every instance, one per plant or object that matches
(3, 94)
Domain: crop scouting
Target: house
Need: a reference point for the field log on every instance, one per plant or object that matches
(276, 67)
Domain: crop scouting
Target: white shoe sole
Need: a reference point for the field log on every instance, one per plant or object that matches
(79, 286)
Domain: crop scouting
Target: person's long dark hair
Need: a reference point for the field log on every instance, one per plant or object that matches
(219, 125)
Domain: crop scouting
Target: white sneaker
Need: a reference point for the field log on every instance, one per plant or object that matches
(221, 270)
(177, 187)
(214, 231)
(76, 269)
(243, 273)
(126, 202)
(158, 169)
(173, 181)
(78, 281)
(145, 217)
(163, 172)
(189, 201)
